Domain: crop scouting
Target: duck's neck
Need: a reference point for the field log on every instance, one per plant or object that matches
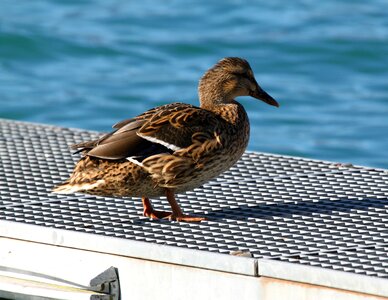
(232, 112)
(213, 96)
(211, 100)
(219, 99)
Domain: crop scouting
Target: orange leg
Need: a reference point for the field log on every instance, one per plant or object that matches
(149, 211)
(177, 214)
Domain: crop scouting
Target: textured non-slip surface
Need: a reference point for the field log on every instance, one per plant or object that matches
(302, 211)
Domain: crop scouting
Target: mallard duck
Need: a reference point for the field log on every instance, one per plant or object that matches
(172, 148)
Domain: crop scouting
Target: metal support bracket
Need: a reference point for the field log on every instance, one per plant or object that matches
(107, 283)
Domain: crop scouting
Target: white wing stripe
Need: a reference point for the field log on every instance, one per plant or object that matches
(163, 143)
(132, 160)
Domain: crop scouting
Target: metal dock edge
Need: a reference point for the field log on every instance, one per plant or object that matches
(310, 229)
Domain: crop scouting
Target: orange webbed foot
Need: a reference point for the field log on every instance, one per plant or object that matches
(156, 214)
(185, 218)
(149, 211)
(176, 215)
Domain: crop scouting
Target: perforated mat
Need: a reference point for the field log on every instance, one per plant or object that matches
(284, 208)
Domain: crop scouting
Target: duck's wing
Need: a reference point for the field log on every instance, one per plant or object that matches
(163, 129)
(175, 125)
(119, 144)
(122, 142)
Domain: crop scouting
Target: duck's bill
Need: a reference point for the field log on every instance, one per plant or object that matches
(263, 96)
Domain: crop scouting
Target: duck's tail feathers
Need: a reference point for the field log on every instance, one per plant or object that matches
(70, 188)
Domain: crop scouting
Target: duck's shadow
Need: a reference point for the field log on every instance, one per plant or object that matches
(298, 208)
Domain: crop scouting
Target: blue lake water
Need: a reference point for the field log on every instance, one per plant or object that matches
(89, 64)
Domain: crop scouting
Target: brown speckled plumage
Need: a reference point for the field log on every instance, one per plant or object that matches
(172, 148)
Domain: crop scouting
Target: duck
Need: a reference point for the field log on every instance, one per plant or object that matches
(173, 148)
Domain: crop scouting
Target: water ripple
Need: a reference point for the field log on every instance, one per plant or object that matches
(90, 63)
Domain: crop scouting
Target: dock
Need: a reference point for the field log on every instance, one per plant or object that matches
(279, 227)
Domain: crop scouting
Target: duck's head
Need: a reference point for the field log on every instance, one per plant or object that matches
(229, 78)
